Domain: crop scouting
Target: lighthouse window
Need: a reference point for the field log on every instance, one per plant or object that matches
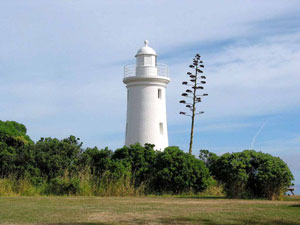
(161, 128)
(140, 61)
(159, 93)
(148, 60)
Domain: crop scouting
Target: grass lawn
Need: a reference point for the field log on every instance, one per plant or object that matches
(146, 210)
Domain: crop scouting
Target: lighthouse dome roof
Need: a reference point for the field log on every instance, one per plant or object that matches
(146, 50)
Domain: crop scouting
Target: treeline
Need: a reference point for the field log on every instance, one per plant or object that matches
(61, 167)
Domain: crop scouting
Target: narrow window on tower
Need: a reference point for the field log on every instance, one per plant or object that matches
(148, 60)
(126, 129)
(140, 61)
(159, 93)
(161, 128)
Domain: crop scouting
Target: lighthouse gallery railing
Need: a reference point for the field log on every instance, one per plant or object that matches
(162, 70)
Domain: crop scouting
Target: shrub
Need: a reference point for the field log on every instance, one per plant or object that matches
(252, 174)
(176, 172)
(7, 187)
(17, 161)
(139, 160)
(14, 134)
(63, 186)
(11, 186)
(53, 157)
(97, 160)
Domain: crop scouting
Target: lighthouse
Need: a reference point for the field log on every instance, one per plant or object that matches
(146, 83)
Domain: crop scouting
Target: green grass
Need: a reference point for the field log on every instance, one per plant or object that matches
(146, 210)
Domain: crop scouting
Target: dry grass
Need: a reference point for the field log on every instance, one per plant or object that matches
(146, 210)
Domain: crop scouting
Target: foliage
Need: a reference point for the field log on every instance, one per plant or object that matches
(209, 159)
(270, 177)
(63, 186)
(17, 161)
(177, 172)
(63, 167)
(13, 134)
(53, 157)
(11, 186)
(139, 159)
(251, 174)
(83, 185)
(99, 161)
(15, 149)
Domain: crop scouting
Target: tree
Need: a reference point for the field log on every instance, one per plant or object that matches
(55, 157)
(196, 82)
(99, 161)
(140, 159)
(102, 164)
(14, 134)
(176, 172)
(252, 174)
(16, 155)
(270, 176)
(209, 158)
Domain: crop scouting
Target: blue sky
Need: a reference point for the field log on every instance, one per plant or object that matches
(61, 67)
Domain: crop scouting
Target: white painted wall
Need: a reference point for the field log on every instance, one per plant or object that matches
(146, 111)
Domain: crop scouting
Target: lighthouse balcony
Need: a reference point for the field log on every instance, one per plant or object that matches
(161, 70)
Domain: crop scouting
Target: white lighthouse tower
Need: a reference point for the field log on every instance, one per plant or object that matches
(146, 100)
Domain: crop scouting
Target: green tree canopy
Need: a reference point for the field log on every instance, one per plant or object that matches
(15, 150)
(55, 157)
(250, 173)
(13, 134)
(176, 171)
(139, 159)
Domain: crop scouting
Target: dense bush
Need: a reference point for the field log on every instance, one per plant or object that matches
(53, 157)
(249, 173)
(176, 172)
(13, 134)
(140, 161)
(63, 186)
(62, 167)
(99, 161)
(16, 153)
